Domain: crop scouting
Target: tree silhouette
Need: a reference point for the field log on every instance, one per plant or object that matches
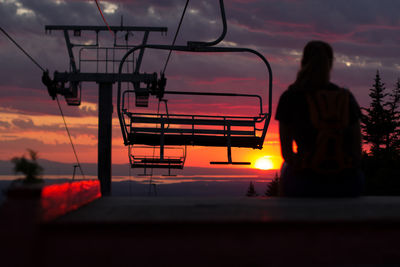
(393, 140)
(379, 124)
(273, 187)
(251, 192)
(30, 168)
(381, 129)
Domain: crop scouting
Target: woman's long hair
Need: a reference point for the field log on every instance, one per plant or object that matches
(316, 65)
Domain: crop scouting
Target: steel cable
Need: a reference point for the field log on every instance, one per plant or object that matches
(59, 106)
(104, 19)
(26, 53)
(176, 35)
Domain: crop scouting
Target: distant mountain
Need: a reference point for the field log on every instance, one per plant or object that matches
(59, 168)
(201, 185)
(50, 167)
(6, 168)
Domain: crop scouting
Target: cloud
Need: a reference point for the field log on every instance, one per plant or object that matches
(5, 124)
(23, 124)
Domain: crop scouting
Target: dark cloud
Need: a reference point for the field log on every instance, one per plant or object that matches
(18, 147)
(5, 124)
(24, 124)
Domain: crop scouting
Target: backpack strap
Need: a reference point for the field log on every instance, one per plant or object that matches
(329, 114)
(329, 109)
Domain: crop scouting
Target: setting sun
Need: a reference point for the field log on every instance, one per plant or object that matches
(264, 163)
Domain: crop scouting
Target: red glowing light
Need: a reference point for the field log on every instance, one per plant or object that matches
(58, 199)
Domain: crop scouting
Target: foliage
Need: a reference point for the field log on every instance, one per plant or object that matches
(273, 187)
(380, 122)
(374, 122)
(381, 129)
(30, 168)
(394, 109)
(251, 192)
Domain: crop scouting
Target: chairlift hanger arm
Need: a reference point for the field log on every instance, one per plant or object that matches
(70, 53)
(221, 37)
(209, 50)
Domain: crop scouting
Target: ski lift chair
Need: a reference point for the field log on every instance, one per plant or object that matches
(197, 130)
(151, 161)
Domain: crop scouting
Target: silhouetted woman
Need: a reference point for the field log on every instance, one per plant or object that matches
(323, 120)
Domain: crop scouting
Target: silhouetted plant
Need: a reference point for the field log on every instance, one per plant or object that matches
(251, 192)
(273, 187)
(394, 109)
(30, 168)
(381, 129)
(380, 123)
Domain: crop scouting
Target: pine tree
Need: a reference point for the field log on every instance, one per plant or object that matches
(251, 192)
(376, 123)
(381, 129)
(394, 111)
(273, 187)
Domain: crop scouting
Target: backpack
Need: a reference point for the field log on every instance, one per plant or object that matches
(329, 115)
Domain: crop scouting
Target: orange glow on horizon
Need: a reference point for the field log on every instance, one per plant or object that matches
(46, 135)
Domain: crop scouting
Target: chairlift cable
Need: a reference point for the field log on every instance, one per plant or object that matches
(26, 53)
(59, 106)
(176, 35)
(70, 139)
(104, 19)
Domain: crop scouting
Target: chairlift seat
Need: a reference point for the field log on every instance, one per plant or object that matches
(72, 95)
(157, 163)
(197, 130)
(71, 101)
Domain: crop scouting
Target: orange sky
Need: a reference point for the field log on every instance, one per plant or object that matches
(86, 144)
(54, 145)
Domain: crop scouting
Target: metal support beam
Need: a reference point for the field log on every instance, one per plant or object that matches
(103, 77)
(140, 58)
(104, 137)
(72, 62)
(104, 28)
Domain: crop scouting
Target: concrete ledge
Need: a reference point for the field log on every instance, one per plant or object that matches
(154, 231)
(157, 231)
(236, 210)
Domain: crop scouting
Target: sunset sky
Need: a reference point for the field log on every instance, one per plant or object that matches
(365, 35)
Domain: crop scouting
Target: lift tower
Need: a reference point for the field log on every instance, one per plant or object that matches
(102, 70)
